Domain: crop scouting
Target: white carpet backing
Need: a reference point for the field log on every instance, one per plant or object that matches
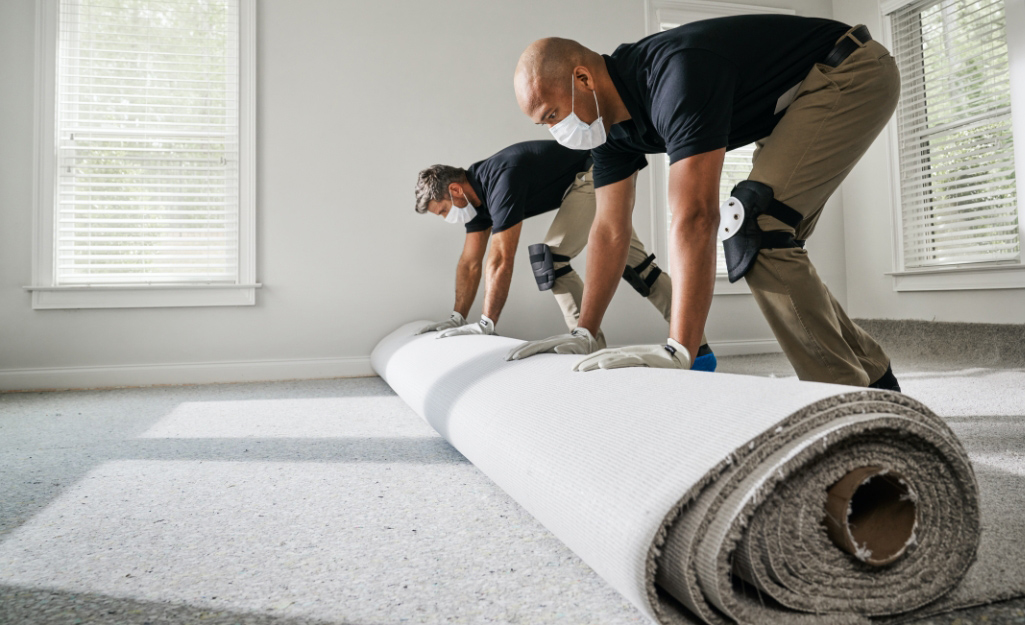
(699, 496)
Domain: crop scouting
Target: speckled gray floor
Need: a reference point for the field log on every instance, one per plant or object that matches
(329, 502)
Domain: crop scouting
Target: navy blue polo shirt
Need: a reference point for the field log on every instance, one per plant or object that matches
(523, 180)
(707, 85)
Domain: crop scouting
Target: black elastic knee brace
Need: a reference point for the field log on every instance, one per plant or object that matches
(542, 263)
(633, 276)
(738, 226)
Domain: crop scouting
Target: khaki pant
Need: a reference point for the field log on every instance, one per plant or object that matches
(836, 115)
(568, 236)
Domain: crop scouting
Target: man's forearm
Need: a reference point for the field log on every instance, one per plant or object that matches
(497, 287)
(467, 281)
(693, 274)
(609, 249)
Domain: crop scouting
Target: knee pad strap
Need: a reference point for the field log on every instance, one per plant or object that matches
(633, 276)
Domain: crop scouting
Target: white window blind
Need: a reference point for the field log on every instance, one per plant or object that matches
(958, 199)
(147, 141)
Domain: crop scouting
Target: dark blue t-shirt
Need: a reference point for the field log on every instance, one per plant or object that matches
(707, 85)
(523, 180)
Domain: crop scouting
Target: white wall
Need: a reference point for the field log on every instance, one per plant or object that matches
(353, 99)
(868, 224)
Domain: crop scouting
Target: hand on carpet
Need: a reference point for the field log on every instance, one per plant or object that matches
(454, 321)
(483, 327)
(669, 356)
(579, 341)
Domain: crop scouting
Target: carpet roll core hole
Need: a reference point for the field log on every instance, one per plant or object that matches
(871, 514)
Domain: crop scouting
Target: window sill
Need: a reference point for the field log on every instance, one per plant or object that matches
(960, 278)
(142, 296)
(724, 287)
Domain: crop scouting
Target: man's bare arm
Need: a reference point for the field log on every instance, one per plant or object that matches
(694, 200)
(469, 269)
(500, 270)
(609, 244)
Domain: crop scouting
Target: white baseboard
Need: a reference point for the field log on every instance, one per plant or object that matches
(745, 348)
(64, 378)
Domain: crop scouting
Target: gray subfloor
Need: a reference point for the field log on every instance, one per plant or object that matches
(327, 501)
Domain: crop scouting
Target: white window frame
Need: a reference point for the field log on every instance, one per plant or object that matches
(657, 13)
(977, 276)
(45, 293)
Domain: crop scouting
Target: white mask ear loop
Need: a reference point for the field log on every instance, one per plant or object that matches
(573, 93)
(573, 97)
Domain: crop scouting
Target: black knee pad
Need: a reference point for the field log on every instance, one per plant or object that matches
(738, 225)
(542, 263)
(633, 276)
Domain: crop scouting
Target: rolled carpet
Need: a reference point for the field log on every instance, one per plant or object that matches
(703, 497)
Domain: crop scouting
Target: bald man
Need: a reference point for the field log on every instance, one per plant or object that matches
(811, 93)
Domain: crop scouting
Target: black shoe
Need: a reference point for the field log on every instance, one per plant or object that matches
(886, 383)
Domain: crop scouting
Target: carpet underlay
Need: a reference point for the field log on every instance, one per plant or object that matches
(700, 498)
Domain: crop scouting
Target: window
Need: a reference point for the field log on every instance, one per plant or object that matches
(664, 15)
(955, 150)
(146, 162)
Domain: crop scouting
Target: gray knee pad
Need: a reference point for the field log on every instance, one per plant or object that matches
(633, 276)
(542, 263)
(738, 226)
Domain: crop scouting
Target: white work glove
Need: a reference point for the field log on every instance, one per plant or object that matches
(483, 327)
(579, 341)
(672, 355)
(454, 321)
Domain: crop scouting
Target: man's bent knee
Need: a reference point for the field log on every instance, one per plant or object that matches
(742, 238)
(542, 264)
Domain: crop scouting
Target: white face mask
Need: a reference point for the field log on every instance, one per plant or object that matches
(457, 215)
(573, 133)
